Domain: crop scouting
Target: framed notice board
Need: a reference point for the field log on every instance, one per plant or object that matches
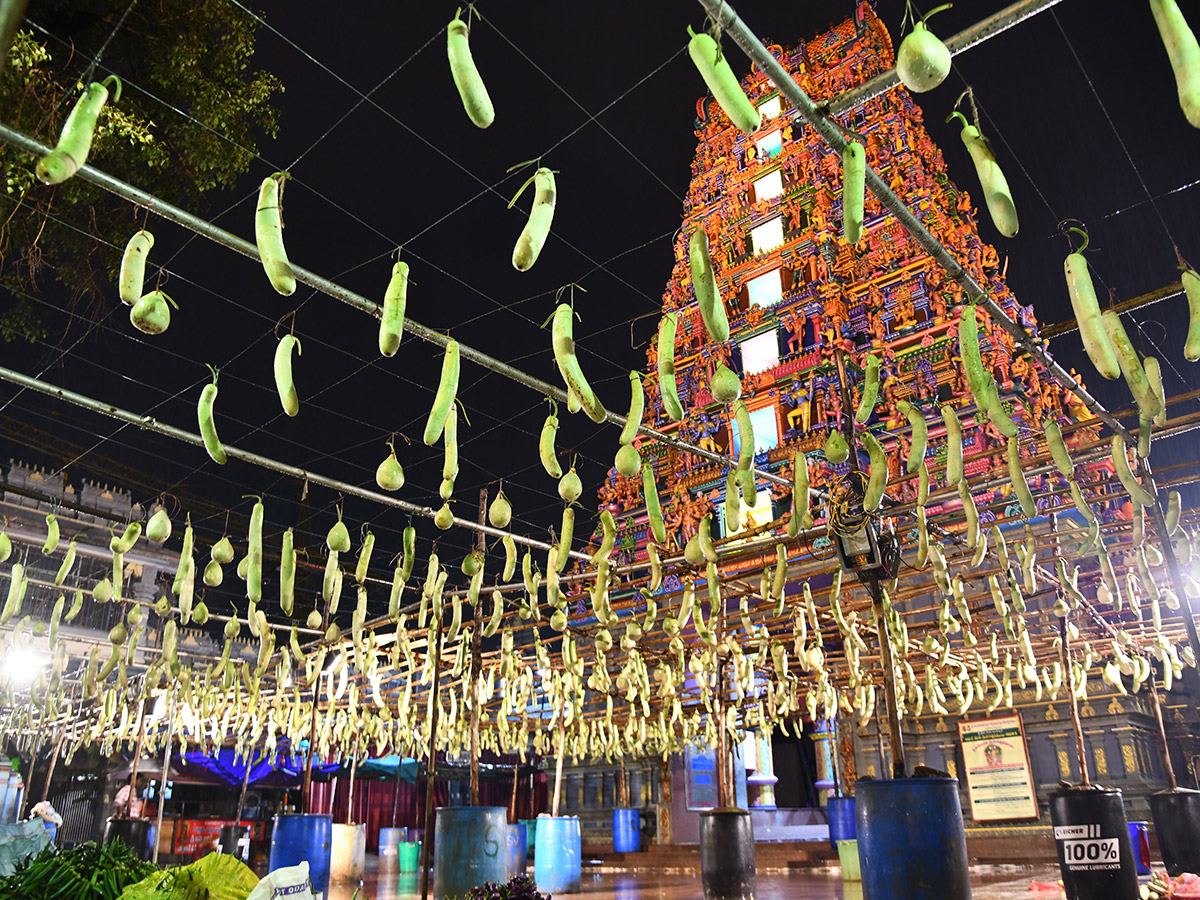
(996, 765)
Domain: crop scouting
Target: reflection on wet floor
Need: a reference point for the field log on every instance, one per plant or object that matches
(987, 883)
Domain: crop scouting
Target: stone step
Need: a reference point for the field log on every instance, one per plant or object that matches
(780, 855)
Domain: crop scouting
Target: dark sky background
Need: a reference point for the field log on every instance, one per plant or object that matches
(407, 168)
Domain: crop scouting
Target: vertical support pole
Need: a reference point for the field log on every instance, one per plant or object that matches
(166, 770)
(53, 762)
(353, 773)
(623, 787)
(899, 765)
(512, 803)
(1162, 731)
(835, 753)
(471, 684)
(1065, 651)
(723, 800)
(883, 769)
(434, 638)
(396, 795)
(241, 807)
(29, 784)
(1076, 725)
(306, 788)
(137, 755)
(562, 751)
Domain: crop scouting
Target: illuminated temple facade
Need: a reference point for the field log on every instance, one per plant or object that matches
(798, 295)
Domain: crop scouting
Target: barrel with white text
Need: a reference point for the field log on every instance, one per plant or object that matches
(1095, 855)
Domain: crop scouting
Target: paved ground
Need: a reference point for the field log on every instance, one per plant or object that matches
(988, 883)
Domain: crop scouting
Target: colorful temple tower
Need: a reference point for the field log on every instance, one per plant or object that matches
(803, 303)
(805, 309)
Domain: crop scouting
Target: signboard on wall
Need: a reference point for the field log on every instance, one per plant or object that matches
(193, 836)
(701, 781)
(996, 765)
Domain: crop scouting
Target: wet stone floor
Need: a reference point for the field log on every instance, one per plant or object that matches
(987, 883)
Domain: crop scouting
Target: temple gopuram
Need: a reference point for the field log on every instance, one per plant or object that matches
(805, 309)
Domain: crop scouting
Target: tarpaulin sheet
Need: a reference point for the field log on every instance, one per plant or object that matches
(385, 767)
(286, 770)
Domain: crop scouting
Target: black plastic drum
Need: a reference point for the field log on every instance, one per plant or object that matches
(1177, 824)
(1095, 855)
(727, 854)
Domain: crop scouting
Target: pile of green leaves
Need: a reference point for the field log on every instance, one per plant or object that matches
(215, 877)
(89, 872)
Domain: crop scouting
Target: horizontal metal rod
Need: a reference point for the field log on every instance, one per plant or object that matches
(149, 423)
(220, 236)
(727, 17)
(964, 40)
(1148, 299)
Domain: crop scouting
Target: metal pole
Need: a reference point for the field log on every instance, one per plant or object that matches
(471, 684)
(623, 797)
(149, 423)
(964, 40)
(166, 770)
(899, 766)
(731, 23)
(431, 765)
(1162, 731)
(325, 286)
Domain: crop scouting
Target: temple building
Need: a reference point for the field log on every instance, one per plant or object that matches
(805, 309)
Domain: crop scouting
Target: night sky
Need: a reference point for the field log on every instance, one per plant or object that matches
(407, 168)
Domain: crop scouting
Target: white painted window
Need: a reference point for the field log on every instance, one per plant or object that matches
(770, 144)
(766, 289)
(760, 353)
(768, 186)
(771, 108)
(766, 237)
(766, 430)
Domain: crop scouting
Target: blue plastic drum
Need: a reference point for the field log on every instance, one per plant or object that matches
(841, 820)
(518, 850)
(303, 837)
(469, 848)
(627, 836)
(558, 857)
(911, 842)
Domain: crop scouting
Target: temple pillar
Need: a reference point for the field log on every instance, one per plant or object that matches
(823, 735)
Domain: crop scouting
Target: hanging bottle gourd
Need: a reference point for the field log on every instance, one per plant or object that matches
(714, 69)
(923, 61)
(1087, 312)
(991, 178)
(75, 141)
(1184, 53)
